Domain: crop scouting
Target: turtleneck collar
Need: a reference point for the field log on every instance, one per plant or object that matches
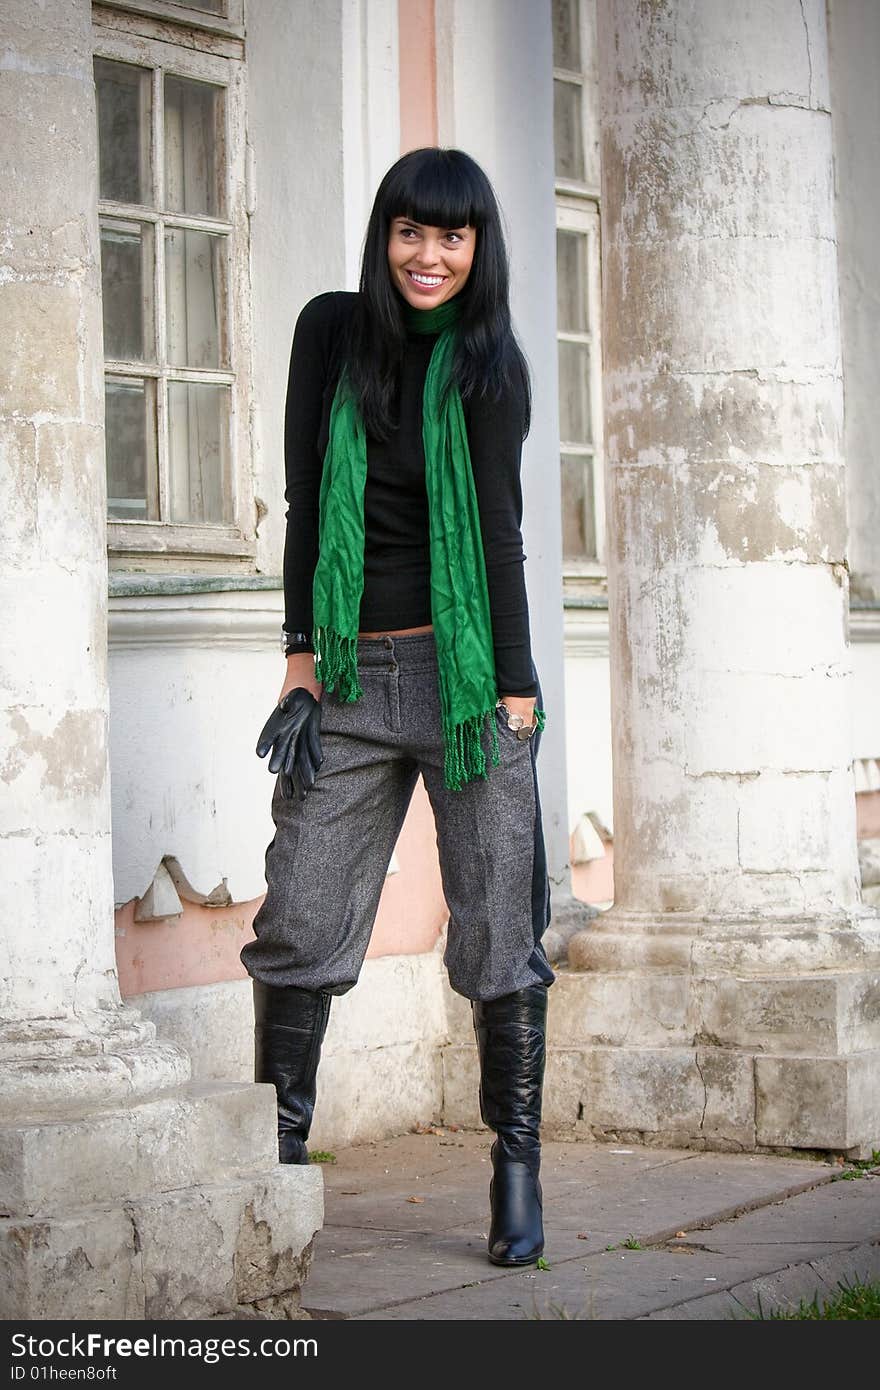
(430, 320)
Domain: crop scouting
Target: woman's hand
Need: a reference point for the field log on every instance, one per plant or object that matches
(293, 735)
(293, 730)
(521, 704)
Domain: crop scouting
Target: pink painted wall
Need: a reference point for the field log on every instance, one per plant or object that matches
(201, 946)
(418, 74)
(594, 882)
(868, 815)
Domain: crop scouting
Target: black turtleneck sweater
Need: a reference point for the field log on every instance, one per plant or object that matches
(397, 568)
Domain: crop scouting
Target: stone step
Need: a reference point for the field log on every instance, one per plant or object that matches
(241, 1248)
(697, 1097)
(197, 1133)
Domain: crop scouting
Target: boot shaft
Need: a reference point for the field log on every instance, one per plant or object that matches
(289, 1028)
(511, 1033)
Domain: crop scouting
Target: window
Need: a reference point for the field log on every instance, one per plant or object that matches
(173, 222)
(576, 142)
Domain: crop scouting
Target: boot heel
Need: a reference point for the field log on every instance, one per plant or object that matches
(516, 1234)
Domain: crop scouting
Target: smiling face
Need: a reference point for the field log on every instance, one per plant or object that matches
(429, 264)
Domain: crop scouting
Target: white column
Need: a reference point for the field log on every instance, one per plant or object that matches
(124, 1193)
(734, 807)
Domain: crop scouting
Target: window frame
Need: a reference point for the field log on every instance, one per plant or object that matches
(135, 538)
(578, 209)
(582, 216)
(586, 78)
(177, 12)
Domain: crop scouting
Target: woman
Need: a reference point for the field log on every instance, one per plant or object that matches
(407, 642)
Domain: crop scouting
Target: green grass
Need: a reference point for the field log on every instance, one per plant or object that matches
(631, 1243)
(858, 1167)
(321, 1156)
(856, 1302)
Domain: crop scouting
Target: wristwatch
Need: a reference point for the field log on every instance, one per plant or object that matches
(295, 642)
(516, 723)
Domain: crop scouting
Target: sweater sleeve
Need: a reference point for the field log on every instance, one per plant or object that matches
(495, 430)
(310, 363)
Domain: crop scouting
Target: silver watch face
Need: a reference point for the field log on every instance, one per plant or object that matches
(516, 723)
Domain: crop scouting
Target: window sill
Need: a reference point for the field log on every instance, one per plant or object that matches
(142, 538)
(124, 584)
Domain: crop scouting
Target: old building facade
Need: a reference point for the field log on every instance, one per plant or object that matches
(690, 195)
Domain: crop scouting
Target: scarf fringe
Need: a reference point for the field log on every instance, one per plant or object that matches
(465, 758)
(336, 663)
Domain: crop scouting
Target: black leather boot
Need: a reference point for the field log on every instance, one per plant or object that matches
(289, 1027)
(510, 1039)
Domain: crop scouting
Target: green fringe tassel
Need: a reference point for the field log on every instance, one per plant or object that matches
(336, 663)
(540, 719)
(465, 759)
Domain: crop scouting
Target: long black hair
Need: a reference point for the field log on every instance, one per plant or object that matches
(439, 188)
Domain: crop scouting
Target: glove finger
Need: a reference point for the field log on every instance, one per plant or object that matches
(294, 722)
(286, 787)
(313, 742)
(280, 756)
(290, 755)
(306, 770)
(297, 783)
(268, 733)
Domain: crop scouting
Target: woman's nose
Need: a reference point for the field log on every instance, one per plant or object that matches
(429, 253)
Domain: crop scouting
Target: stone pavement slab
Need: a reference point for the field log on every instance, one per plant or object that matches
(406, 1223)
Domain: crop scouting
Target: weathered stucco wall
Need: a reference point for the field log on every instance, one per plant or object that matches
(297, 227)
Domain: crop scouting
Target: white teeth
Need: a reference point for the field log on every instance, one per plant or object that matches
(427, 279)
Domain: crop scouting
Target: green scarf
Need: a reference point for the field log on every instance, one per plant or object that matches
(459, 591)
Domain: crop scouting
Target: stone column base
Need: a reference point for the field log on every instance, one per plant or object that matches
(173, 1207)
(94, 1058)
(676, 1060)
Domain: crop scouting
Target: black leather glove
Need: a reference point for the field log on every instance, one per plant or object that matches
(293, 732)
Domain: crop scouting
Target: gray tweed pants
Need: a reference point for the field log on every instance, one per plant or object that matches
(326, 864)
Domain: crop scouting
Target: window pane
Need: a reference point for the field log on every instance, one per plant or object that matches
(574, 393)
(130, 442)
(566, 35)
(127, 290)
(193, 146)
(198, 439)
(572, 308)
(568, 136)
(578, 514)
(123, 95)
(195, 294)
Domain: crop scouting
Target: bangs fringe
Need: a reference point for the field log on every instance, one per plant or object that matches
(437, 188)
